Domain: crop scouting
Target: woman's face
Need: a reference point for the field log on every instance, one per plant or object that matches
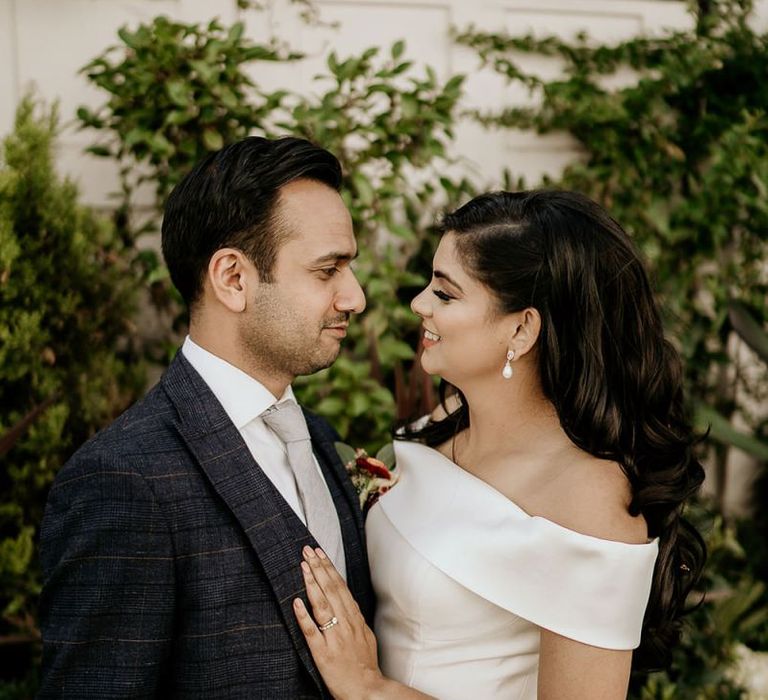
(464, 336)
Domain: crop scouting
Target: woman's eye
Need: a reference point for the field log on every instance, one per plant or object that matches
(441, 295)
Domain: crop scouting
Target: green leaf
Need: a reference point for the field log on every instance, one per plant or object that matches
(101, 151)
(397, 49)
(207, 72)
(264, 53)
(235, 32)
(330, 407)
(391, 349)
(345, 452)
(88, 118)
(333, 63)
(179, 93)
(453, 86)
(401, 67)
(384, 88)
(228, 98)
(135, 136)
(177, 117)
(349, 69)
(129, 39)
(161, 145)
(748, 329)
(359, 404)
(365, 191)
(387, 455)
(410, 106)
(728, 613)
(404, 232)
(723, 431)
(212, 140)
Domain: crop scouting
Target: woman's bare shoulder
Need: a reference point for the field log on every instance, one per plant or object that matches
(593, 498)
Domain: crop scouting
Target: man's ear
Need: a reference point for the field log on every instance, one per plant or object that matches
(231, 277)
(526, 329)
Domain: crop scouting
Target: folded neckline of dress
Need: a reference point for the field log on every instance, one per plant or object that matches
(583, 587)
(505, 500)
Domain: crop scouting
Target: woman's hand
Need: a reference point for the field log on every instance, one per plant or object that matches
(343, 646)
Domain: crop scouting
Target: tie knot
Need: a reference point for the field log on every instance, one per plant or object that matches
(287, 420)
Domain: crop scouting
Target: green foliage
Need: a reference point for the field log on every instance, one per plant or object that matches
(734, 608)
(680, 157)
(67, 366)
(176, 92)
(390, 129)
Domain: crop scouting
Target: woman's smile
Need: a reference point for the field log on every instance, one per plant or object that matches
(430, 338)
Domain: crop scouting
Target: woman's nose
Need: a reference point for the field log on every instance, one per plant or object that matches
(420, 305)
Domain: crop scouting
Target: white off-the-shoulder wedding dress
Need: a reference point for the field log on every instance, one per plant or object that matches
(465, 578)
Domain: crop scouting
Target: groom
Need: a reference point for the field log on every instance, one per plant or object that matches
(172, 540)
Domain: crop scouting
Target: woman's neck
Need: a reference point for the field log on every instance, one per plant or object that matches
(509, 417)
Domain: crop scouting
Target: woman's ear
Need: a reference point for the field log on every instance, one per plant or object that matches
(526, 329)
(230, 276)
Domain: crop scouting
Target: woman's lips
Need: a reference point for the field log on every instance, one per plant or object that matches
(429, 338)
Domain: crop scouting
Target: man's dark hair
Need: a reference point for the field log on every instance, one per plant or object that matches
(229, 200)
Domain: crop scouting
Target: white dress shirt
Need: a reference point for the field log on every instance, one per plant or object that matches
(244, 399)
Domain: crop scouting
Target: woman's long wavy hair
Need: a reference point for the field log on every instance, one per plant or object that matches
(604, 363)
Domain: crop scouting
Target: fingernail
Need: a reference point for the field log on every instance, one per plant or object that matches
(305, 567)
(320, 553)
(308, 552)
(298, 604)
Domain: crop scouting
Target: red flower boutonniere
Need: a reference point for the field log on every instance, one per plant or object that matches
(371, 476)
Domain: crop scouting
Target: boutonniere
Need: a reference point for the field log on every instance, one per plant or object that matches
(371, 476)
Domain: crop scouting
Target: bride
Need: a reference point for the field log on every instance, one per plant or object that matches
(535, 536)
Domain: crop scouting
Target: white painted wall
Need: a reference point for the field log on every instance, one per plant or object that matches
(43, 43)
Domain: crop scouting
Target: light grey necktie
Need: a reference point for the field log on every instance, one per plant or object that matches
(287, 420)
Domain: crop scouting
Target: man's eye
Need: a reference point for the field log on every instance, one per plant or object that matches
(441, 295)
(329, 271)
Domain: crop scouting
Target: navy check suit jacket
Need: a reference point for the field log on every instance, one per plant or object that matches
(171, 561)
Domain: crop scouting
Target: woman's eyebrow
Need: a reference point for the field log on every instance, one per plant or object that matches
(443, 276)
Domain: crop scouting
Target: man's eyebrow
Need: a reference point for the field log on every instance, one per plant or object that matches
(335, 257)
(443, 276)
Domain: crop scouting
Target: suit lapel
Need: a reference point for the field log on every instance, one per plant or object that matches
(275, 532)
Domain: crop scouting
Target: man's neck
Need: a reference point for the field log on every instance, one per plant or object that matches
(227, 349)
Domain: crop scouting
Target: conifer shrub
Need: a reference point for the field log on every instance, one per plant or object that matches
(68, 364)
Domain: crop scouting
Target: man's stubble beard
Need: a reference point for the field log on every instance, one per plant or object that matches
(273, 340)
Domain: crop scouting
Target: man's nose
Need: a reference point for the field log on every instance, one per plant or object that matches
(351, 297)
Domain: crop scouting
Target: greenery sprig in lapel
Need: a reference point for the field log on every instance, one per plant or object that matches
(371, 476)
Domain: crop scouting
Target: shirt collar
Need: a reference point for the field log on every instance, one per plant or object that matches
(242, 397)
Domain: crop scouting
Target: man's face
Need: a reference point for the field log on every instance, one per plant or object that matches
(295, 324)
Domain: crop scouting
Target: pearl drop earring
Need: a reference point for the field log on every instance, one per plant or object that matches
(507, 372)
